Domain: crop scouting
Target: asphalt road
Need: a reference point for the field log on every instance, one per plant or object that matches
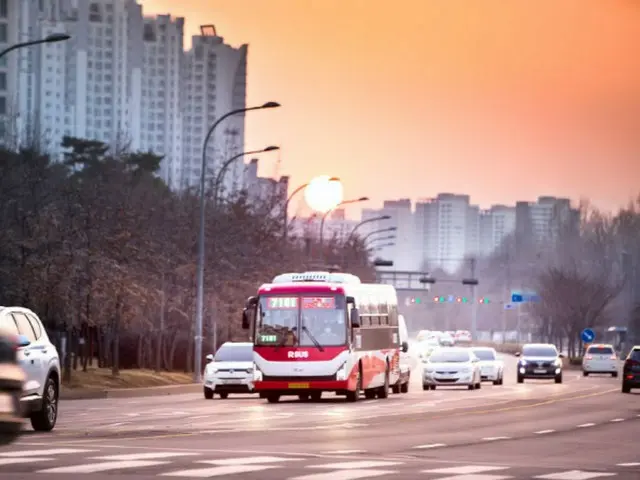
(584, 428)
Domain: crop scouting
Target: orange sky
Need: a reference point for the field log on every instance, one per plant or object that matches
(503, 100)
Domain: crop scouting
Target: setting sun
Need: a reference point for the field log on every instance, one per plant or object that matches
(322, 195)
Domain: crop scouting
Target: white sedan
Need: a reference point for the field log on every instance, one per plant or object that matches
(491, 367)
(600, 359)
(451, 366)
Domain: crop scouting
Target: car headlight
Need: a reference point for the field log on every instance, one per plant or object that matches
(523, 363)
(558, 362)
(429, 371)
(257, 374)
(210, 370)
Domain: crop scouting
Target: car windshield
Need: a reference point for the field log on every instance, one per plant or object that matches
(301, 321)
(600, 351)
(539, 351)
(234, 353)
(485, 354)
(450, 356)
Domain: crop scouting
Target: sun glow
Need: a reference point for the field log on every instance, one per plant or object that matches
(322, 195)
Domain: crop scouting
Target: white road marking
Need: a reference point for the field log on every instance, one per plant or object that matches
(632, 464)
(431, 445)
(575, 475)
(133, 414)
(466, 470)
(14, 461)
(344, 452)
(144, 456)
(119, 424)
(102, 466)
(478, 476)
(585, 425)
(357, 465)
(491, 439)
(617, 420)
(217, 471)
(38, 453)
(345, 475)
(248, 460)
(542, 432)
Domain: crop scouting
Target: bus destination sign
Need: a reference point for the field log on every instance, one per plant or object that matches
(282, 303)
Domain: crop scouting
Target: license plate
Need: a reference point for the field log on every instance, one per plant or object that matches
(6, 403)
(298, 385)
(231, 381)
(540, 370)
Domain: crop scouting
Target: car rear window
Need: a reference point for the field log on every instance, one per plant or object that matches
(485, 354)
(635, 354)
(600, 351)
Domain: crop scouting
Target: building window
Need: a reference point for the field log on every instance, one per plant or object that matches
(3, 105)
(4, 9)
(3, 81)
(4, 36)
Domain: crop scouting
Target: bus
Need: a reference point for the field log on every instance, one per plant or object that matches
(316, 332)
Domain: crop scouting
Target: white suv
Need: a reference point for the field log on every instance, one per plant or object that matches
(39, 359)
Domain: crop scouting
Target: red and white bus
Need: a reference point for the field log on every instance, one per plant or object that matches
(318, 332)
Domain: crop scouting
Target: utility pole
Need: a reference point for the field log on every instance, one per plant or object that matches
(474, 301)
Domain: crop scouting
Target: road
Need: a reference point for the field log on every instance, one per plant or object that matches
(584, 428)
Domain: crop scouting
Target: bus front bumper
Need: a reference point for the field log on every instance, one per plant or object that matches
(300, 386)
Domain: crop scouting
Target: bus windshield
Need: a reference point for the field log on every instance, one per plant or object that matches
(290, 321)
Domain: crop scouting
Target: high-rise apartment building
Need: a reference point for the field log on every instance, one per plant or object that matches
(265, 191)
(542, 221)
(158, 117)
(214, 83)
(495, 225)
(123, 79)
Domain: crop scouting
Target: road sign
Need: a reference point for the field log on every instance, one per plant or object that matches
(588, 335)
(509, 306)
(523, 297)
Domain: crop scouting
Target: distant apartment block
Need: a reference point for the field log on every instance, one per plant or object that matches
(265, 191)
(541, 222)
(337, 227)
(495, 225)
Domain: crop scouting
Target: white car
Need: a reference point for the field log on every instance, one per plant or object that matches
(463, 336)
(40, 362)
(426, 348)
(230, 370)
(600, 359)
(453, 367)
(491, 367)
(446, 340)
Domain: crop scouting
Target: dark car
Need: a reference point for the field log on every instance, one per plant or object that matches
(11, 383)
(539, 360)
(631, 370)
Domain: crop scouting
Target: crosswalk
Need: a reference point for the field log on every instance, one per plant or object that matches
(202, 464)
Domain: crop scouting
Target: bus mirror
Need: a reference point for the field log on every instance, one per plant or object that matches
(251, 302)
(245, 319)
(405, 347)
(354, 318)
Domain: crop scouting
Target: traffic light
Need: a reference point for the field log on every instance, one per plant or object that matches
(415, 300)
(462, 299)
(418, 300)
(484, 300)
(439, 299)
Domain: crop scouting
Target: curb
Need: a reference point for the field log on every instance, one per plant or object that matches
(70, 394)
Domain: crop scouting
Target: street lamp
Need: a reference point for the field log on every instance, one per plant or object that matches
(53, 38)
(379, 239)
(293, 194)
(197, 367)
(364, 222)
(326, 214)
(226, 164)
(380, 247)
(382, 230)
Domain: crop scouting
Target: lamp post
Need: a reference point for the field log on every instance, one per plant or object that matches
(293, 194)
(53, 38)
(225, 165)
(382, 230)
(379, 239)
(326, 214)
(364, 222)
(380, 247)
(197, 366)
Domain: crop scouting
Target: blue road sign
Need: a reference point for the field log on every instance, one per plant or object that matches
(588, 335)
(517, 298)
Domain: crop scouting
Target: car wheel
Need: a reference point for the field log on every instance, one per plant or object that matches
(426, 387)
(208, 393)
(614, 374)
(585, 374)
(224, 395)
(404, 388)
(471, 387)
(626, 388)
(45, 419)
(558, 379)
(520, 379)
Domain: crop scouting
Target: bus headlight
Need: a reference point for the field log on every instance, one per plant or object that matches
(341, 374)
(257, 374)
